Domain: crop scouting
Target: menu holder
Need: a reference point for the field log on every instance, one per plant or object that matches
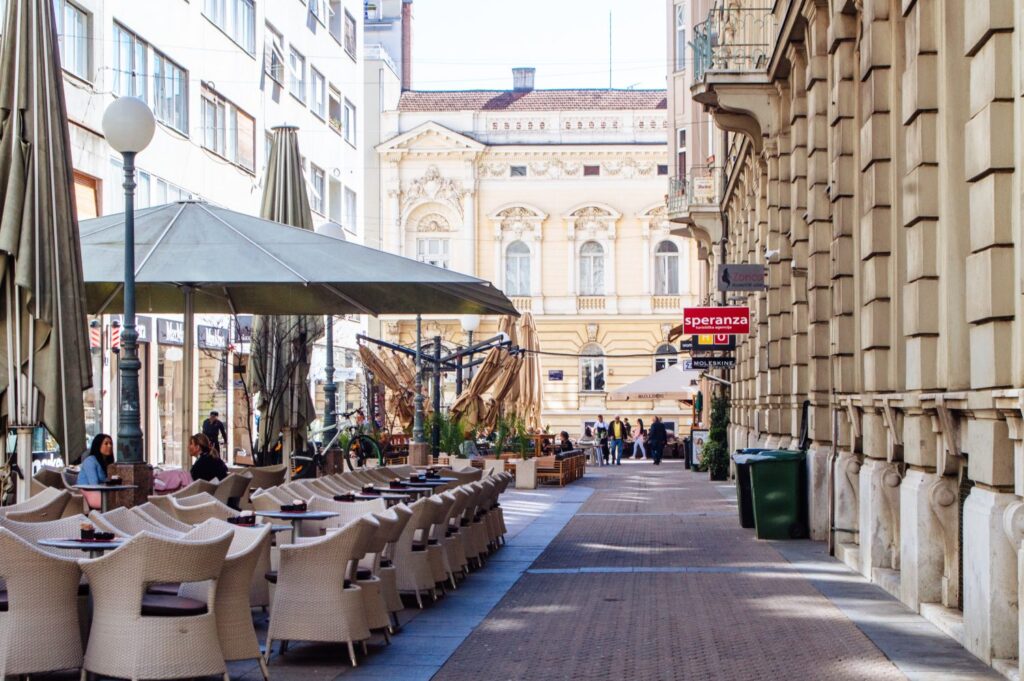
(396, 484)
(293, 508)
(244, 520)
(345, 497)
(112, 481)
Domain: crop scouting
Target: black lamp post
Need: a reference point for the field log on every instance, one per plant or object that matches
(334, 230)
(128, 125)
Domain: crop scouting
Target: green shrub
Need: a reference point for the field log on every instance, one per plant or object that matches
(715, 455)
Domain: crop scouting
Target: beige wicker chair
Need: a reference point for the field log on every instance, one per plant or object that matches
(465, 475)
(347, 512)
(46, 476)
(410, 553)
(371, 542)
(195, 509)
(270, 499)
(234, 616)
(472, 532)
(452, 541)
(193, 488)
(39, 602)
(313, 602)
(63, 528)
(264, 477)
(161, 517)
(129, 523)
(436, 549)
(232, 489)
(392, 524)
(136, 635)
(49, 504)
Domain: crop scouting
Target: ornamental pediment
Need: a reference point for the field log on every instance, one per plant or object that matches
(430, 137)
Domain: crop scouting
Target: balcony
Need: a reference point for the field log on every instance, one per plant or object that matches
(733, 40)
(666, 303)
(522, 303)
(699, 190)
(590, 303)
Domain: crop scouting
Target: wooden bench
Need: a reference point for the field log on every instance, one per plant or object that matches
(563, 470)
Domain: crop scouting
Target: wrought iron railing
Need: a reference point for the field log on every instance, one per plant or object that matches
(733, 38)
(676, 195)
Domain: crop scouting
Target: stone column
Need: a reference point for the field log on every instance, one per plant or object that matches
(927, 508)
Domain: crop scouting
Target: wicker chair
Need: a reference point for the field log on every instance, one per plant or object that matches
(436, 549)
(137, 635)
(314, 601)
(410, 552)
(465, 475)
(62, 528)
(193, 488)
(452, 541)
(347, 512)
(234, 616)
(371, 543)
(161, 517)
(472, 530)
(49, 504)
(200, 507)
(231, 490)
(264, 477)
(392, 524)
(128, 522)
(39, 601)
(47, 476)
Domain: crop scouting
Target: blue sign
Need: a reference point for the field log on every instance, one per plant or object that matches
(556, 375)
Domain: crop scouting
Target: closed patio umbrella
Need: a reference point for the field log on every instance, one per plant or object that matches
(282, 345)
(530, 383)
(43, 325)
(470, 401)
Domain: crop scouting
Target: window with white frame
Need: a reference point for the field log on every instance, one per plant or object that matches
(666, 269)
(665, 356)
(150, 190)
(317, 9)
(297, 75)
(592, 368)
(350, 122)
(317, 186)
(73, 37)
(227, 130)
(433, 252)
(592, 269)
(334, 109)
(273, 57)
(336, 18)
(237, 18)
(129, 64)
(350, 35)
(170, 93)
(517, 269)
(317, 101)
(351, 210)
(680, 37)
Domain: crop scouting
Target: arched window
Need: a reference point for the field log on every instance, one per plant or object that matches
(591, 269)
(592, 368)
(666, 269)
(517, 269)
(666, 357)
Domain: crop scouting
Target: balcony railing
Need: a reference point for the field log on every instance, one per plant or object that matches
(733, 39)
(676, 195)
(590, 303)
(700, 187)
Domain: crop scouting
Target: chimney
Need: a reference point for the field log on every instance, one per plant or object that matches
(522, 78)
(406, 45)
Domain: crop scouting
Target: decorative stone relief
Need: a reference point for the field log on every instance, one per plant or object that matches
(493, 169)
(592, 333)
(433, 222)
(942, 501)
(512, 223)
(433, 186)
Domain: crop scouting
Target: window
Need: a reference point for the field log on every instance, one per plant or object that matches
(666, 357)
(170, 93)
(317, 9)
(317, 184)
(150, 190)
(273, 58)
(227, 130)
(517, 269)
(214, 115)
(334, 109)
(350, 35)
(316, 94)
(350, 212)
(591, 171)
(336, 18)
(518, 171)
(433, 252)
(680, 37)
(592, 368)
(297, 75)
(237, 18)
(663, 169)
(130, 72)
(681, 153)
(350, 123)
(666, 269)
(592, 269)
(73, 37)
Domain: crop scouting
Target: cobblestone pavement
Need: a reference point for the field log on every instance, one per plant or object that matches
(654, 579)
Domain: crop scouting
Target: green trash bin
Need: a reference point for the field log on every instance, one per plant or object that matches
(744, 502)
(778, 485)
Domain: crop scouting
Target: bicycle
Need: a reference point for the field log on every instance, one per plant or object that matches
(355, 442)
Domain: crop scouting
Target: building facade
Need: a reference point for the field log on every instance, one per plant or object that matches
(874, 160)
(557, 197)
(218, 75)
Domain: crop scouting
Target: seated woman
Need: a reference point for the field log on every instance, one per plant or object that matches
(93, 470)
(208, 466)
(564, 444)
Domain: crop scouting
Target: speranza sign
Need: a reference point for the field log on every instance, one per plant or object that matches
(730, 320)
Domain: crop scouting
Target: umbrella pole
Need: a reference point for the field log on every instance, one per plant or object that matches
(24, 462)
(188, 358)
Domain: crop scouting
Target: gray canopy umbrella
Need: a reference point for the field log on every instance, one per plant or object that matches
(282, 345)
(44, 343)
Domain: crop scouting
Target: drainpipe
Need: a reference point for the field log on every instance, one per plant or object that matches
(833, 456)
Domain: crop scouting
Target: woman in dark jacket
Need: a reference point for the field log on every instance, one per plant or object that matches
(208, 465)
(657, 437)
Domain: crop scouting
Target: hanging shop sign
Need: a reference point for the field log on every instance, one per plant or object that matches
(212, 337)
(243, 328)
(170, 332)
(738, 277)
(713, 342)
(714, 362)
(716, 320)
(556, 375)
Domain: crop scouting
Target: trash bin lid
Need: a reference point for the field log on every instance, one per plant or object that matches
(752, 450)
(751, 458)
(785, 455)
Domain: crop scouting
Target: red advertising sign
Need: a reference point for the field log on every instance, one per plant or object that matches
(729, 320)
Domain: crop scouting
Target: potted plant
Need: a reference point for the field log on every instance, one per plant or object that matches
(715, 455)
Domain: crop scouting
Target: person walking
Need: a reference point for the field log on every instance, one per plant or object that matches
(639, 436)
(616, 434)
(601, 429)
(213, 428)
(657, 439)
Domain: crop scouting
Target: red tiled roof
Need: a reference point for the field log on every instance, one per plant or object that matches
(532, 100)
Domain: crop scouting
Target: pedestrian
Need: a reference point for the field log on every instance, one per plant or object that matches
(601, 430)
(93, 470)
(207, 466)
(213, 428)
(590, 445)
(657, 439)
(616, 434)
(639, 435)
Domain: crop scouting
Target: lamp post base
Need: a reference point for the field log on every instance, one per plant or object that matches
(138, 474)
(334, 461)
(419, 453)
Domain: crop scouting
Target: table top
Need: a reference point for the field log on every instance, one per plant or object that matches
(291, 515)
(105, 488)
(82, 544)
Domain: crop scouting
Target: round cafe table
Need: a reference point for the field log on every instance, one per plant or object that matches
(296, 518)
(95, 548)
(105, 491)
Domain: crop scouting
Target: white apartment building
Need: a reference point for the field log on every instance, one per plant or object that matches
(218, 75)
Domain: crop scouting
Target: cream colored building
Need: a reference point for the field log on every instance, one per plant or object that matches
(556, 196)
(874, 162)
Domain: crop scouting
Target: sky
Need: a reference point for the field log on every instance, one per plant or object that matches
(473, 44)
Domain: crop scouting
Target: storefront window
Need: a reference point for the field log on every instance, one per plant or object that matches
(170, 368)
